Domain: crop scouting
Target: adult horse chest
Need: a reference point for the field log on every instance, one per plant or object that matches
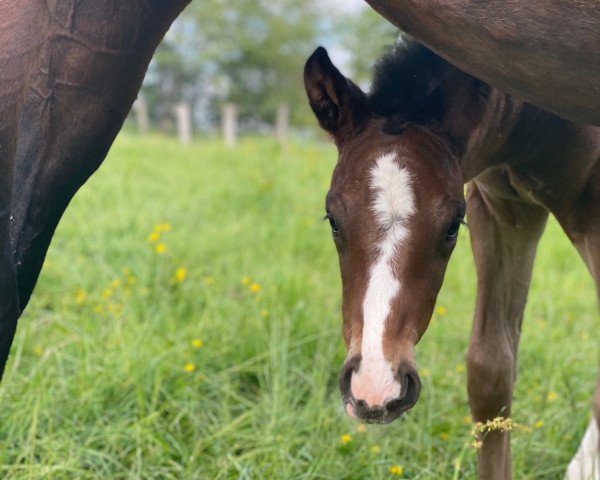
(397, 201)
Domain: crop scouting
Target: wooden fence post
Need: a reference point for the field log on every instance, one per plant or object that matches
(141, 116)
(183, 118)
(282, 124)
(229, 124)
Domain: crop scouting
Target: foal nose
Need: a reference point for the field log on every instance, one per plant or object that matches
(374, 398)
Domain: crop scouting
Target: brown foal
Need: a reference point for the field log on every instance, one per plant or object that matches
(396, 203)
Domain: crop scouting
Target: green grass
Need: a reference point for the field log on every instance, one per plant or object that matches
(96, 386)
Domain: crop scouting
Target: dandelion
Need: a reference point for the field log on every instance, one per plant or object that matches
(538, 424)
(396, 470)
(189, 367)
(180, 274)
(107, 293)
(264, 313)
(80, 296)
(154, 237)
(246, 281)
(131, 280)
(346, 439)
(460, 368)
(375, 450)
(441, 311)
(467, 419)
(99, 308)
(197, 343)
(425, 372)
(552, 396)
(116, 283)
(361, 428)
(160, 248)
(255, 288)
(37, 351)
(444, 436)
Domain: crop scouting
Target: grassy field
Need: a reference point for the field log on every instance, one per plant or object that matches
(187, 325)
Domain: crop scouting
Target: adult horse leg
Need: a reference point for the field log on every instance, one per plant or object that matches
(84, 79)
(21, 24)
(504, 235)
(9, 300)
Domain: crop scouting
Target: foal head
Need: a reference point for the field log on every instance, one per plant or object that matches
(395, 206)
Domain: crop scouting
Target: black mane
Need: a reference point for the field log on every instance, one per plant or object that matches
(406, 85)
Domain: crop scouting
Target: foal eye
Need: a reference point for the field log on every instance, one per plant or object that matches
(334, 228)
(452, 232)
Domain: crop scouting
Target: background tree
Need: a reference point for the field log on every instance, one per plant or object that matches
(252, 53)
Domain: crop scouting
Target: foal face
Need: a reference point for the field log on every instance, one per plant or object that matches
(395, 205)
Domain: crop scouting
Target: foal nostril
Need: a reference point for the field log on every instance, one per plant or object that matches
(411, 389)
(351, 365)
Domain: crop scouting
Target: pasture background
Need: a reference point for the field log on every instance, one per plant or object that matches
(105, 379)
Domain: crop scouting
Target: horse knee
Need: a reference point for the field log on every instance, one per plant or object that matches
(490, 380)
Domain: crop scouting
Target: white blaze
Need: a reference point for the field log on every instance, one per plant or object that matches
(393, 203)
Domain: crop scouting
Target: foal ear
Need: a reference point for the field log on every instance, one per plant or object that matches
(337, 103)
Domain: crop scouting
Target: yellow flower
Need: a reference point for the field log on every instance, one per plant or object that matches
(255, 287)
(208, 280)
(107, 293)
(375, 450)
(245, 281)
(539, 424)
(441, 311)
(346, 439)
(189, 367)
(130, 280)
(396, 470)
(467, 419)
(115, 308)
(361, 428)
(180, 274)
(116, 283)
(425, 372)
(160, 248)
(460, 368)
(163, 227)
(444, 436)
(264, 313)
(197, 343)
(552, 396)
(37, 351)
(154, 237)
(99, 308)
(80, 296)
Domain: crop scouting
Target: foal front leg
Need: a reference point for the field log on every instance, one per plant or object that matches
(504, 235)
